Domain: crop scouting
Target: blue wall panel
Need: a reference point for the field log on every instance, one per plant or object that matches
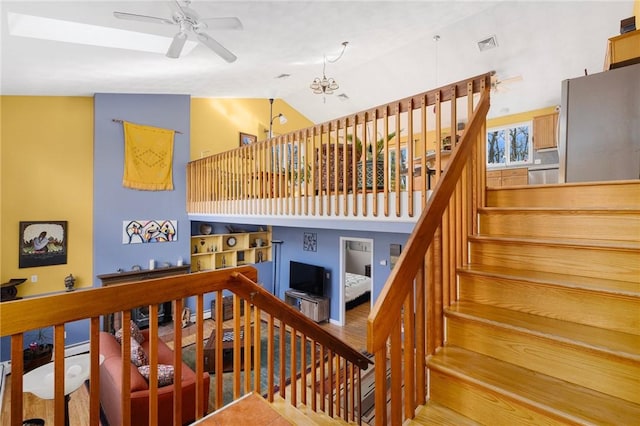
(114, 203)
(327, 255)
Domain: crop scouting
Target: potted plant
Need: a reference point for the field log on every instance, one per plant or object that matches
(370, 157)
(39, 351)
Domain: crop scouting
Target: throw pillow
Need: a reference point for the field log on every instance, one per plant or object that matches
(138, 355)
(135, 333)
(165, 374)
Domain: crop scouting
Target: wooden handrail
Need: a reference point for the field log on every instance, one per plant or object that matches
(400, 281)
(247, 289)
(321, 170)
(20, 316)
(406, 323)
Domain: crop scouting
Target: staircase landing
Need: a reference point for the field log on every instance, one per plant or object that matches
(251, 408)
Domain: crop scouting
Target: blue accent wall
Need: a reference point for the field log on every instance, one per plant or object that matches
(328, 256)
(114, 203)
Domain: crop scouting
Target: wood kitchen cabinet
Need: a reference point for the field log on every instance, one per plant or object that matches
(545, 133)
(507, 177)
(623, 50)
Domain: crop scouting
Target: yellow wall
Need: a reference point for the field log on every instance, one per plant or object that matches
(47, 174)
(216, 123)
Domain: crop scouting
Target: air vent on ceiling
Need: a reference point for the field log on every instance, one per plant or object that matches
(488, 43)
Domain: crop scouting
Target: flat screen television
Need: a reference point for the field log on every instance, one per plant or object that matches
(306, 278)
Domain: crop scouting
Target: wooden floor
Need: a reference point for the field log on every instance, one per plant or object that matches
(353, 333)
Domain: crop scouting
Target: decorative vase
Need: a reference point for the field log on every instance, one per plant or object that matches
(205, 229)
(69, 282)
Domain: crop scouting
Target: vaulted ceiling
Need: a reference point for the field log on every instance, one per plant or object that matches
(391, 51)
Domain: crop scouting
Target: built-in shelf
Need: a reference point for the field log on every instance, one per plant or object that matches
(217, 251)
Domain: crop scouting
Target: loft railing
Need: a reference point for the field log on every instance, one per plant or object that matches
(407, 322)
(331, 360)
(373, 163)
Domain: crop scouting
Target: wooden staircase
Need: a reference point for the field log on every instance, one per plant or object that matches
(547, 326)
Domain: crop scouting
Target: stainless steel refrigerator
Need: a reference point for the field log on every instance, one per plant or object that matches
(600, 126)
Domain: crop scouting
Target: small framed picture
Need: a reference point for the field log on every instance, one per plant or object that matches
(43, 243)
(310, 241)
(247, 139)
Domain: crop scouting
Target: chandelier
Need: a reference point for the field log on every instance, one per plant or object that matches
(324, 85)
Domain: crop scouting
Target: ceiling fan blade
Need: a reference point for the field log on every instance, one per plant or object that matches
(176, 45)
(222, 23)
(216, 47)
(511, 79)
(143, 18)
(178, 7)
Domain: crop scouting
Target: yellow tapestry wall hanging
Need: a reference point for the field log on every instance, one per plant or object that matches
(148, 157)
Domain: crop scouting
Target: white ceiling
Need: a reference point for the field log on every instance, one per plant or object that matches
(391, 52)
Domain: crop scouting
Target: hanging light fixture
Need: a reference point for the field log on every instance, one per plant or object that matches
(324, 85)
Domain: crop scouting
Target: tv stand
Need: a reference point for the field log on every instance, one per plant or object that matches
(313, 307)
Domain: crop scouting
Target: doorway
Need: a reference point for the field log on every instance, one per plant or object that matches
(356, 274)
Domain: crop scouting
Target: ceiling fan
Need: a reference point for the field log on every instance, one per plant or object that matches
(190, 22)
(501, 85)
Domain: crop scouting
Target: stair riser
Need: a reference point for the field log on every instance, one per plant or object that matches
(623, 265)
(595, 370)
(483, 405)
(567, 225)
(609, 311)
(614, 195)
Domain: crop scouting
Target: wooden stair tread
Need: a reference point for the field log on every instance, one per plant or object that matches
(563, 242)
(614, 343)
(565, 400)
(627, 288)
(433, 413)
(571, 211)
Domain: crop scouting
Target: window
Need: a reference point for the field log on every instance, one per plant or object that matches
(509, 145)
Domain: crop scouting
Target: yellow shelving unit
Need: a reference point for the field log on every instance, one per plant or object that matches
(217, 251)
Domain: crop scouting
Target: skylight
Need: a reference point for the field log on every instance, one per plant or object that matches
(93, 35)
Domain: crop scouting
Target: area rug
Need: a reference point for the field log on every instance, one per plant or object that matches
(188, 356)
